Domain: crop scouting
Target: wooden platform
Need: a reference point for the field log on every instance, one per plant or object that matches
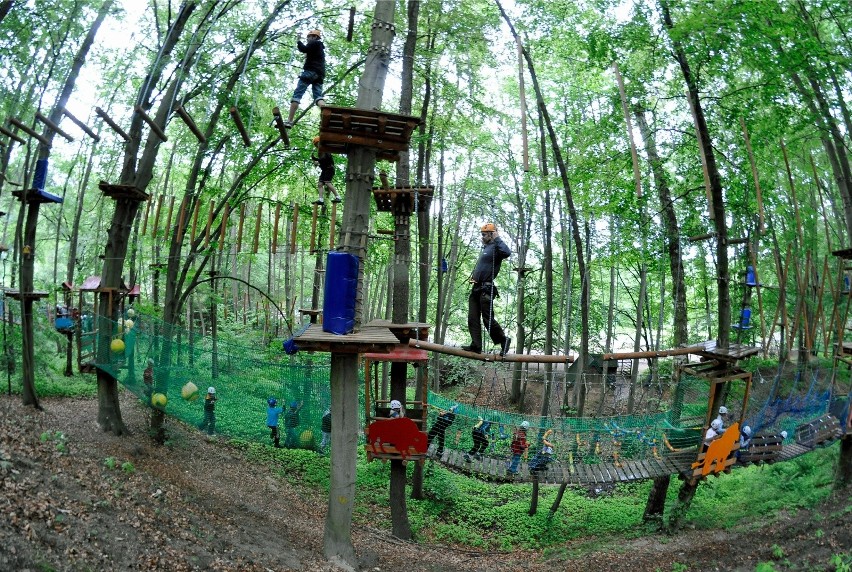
(17, 295)
(733, 353)
(123, 192)
(403, 332)
(387, 133)
(37, 196)
(413, 199)
(368, 339)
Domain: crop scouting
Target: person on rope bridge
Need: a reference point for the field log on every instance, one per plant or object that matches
(209, 422)
(325, 161)
(480, 303)
(544, 458)
(273, 413)
(480, 440)
(313, 73)
(291, 423)
(518, 447)
(439, 428)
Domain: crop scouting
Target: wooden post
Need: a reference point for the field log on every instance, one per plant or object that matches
(151, 123)
(148, 208)
(81, 125)
(238, 121)
(113, 125)
(257, 228)
(279, 124)
(275, 228)
(240, 227)
(351, 27)
(182, 217)
(822, 203)
(759, 288)
(56, 129)
(209, 224)
(12, 136)
(191, 124)
(40, 138)
(195, 220)
(793, 197)
(223, 226)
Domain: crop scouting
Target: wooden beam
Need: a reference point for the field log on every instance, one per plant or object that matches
(151, 123)
(235, 115)
(429, 346)
(191, 124)
(81, 125)
(12, 136)
(113, 125)
(56, 129)
(32, 133)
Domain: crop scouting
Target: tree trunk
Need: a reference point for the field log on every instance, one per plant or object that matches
(360, 169)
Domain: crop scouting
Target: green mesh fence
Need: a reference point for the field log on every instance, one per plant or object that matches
(246, 376)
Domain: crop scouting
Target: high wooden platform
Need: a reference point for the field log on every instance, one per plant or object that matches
(408, 199)
(367, 339)
(18, 295)
(36, 196)
(387, 133)
(123, 192)
(732, 354)
(403, 332)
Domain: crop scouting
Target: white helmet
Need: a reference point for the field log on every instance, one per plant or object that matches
(716, 424)
(723, 410)
(525, 424)
(211, 389)
(395, 404)
(747, 431)
(783, 434)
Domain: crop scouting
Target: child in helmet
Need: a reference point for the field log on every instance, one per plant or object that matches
(480, 439)
(396, 409)
(325, 162)
(313, 72)
(518, 447)
(273, 412)
(209, 422)
(542, 459)
(713, 431)
(291, 423)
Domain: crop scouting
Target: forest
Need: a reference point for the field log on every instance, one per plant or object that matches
(667, 174)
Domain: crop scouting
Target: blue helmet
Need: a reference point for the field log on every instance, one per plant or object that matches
(294, 404)
(272, 402)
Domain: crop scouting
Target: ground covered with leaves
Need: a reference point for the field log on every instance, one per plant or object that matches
(75, 498)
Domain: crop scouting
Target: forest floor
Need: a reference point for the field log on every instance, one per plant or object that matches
(75, 498)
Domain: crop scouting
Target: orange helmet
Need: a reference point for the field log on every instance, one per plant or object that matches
(316, 33)
(316, 140)
(489, 227)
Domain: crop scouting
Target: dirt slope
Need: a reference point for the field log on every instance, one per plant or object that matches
(200, 505)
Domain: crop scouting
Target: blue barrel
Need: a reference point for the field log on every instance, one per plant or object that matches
(40, 177)
(745, 319)
(341, 285)
(750, 281)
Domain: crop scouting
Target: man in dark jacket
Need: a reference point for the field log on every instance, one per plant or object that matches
(313, 73)
(325, 162)
(480, 303)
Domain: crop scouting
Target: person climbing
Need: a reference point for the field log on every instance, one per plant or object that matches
(291, 423)
(543, 458)
(273, 412)
(325, 429)
(396, 409)
(480, 440)
(209, 422)
(724, 416)
(439, 428)
(325, 161)
(313, 73)
(518, 447)
(480, 303)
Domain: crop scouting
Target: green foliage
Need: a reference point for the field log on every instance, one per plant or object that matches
(128, 467)
(842, 562)
(110, 463)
